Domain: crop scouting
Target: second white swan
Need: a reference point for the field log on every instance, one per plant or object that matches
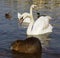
(24, 14)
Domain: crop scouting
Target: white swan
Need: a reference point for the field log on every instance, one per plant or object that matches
(26, 19)
(40, 26)
(24, 14)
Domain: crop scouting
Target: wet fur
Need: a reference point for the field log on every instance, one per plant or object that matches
(31, 46)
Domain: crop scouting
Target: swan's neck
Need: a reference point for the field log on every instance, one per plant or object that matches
(29, 30)
(31, 14)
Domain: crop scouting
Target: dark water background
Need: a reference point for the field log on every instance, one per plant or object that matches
(10, 31)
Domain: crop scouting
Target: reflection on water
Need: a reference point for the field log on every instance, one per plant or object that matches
(44, 38)
(10, 31)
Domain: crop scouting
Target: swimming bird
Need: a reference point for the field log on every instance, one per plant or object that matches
(40, 26)
(31, 45)
(26, 20)
(8, 16)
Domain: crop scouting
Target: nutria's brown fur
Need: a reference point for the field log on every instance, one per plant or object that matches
(8, 16)
(31, 45)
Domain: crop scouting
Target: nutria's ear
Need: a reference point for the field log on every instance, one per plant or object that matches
(17, 41)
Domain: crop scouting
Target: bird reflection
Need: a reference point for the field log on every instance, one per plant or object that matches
(44, 38)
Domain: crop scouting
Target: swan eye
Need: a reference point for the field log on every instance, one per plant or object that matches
(21, 18)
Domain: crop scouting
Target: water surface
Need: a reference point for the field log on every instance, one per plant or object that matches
(10, 30)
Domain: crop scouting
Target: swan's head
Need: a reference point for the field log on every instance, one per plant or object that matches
(21, 20)
(33, 6)
(24, 16)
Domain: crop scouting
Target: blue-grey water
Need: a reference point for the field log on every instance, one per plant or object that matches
(11, 31)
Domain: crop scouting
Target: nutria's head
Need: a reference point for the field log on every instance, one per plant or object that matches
(15, 45)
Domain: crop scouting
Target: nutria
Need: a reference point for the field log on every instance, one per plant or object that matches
(30, 46)
(8, 15)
